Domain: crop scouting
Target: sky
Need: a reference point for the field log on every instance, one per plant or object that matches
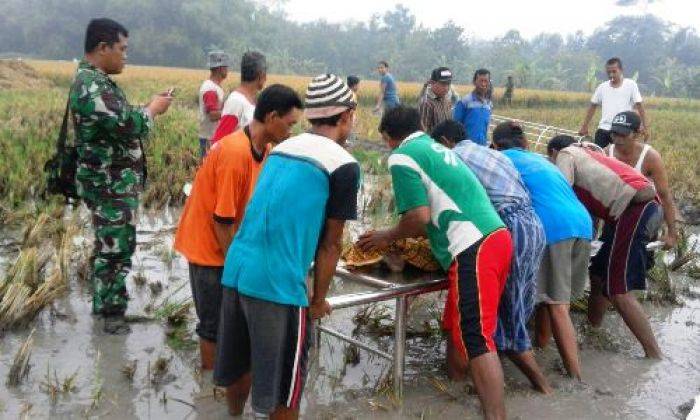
(487, 19)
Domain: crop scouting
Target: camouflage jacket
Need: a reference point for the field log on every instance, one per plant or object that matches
(109, 131)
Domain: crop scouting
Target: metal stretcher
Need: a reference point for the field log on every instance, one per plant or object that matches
(396, 287)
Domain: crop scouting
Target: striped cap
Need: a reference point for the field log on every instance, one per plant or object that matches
(326, 96)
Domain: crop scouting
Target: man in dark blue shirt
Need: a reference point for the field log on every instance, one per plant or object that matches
(474, 110)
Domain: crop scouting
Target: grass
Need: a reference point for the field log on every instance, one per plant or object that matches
(129, 369)
(54, 386)
(30, 120)
(176, 314)
(20, 364)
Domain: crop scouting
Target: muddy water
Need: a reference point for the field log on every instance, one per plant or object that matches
(618, 382)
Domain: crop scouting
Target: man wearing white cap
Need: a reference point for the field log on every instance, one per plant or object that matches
(211, 98)
(305, 193)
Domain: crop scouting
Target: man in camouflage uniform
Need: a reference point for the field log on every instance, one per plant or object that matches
(111, 165)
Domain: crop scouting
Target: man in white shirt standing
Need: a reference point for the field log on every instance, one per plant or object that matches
(211, 98)
(614, 96)
(240, 104)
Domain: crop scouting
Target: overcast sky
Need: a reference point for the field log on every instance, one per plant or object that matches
(490, 18)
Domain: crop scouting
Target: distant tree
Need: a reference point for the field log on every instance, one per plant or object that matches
(664, 58)
(638, 40)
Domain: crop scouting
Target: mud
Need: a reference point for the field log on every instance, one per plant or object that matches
(618, 381)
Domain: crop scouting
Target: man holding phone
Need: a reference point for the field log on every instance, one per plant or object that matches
(111, 165)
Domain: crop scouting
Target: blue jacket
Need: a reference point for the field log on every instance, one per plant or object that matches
(475, 115)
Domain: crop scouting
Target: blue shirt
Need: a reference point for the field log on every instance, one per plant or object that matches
(496, 173)
(562, 214)
(475, 115)
(391, 98)
(305, 180)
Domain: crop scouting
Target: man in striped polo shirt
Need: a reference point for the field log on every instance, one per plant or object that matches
(296, 216)
(438, 195)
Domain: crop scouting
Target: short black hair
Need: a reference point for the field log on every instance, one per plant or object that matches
(480, 72)
(400, 122)
(384, 63)
(253, 64)
(332, 120)
(452, 130)
(507, 135)
(279, 98)
(103, 30)
(613, 61)
(560, 142)
(353, 80)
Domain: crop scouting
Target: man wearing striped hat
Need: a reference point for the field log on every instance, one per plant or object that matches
(296, 216)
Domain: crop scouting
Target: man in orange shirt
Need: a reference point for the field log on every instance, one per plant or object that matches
(222, 187)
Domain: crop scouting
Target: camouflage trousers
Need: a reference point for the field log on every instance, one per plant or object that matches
(114, 223)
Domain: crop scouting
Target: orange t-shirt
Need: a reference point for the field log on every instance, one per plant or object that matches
(222, 187)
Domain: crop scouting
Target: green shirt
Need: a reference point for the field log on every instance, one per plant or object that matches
(425, 173)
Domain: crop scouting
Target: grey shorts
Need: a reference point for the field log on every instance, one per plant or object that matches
(269, 340)
(564, 271)
(206, 294)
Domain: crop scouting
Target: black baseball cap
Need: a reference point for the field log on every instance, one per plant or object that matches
(441, 74)
(625, 123)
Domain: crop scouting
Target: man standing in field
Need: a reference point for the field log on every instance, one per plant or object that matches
(111, 163)
(568, 230)
(511, 200)
(388, 96)
(474, 110)
(436, 106)
(439, 196)
(211, 99)
(625, 200)
(216, 206)
(305, 194)
(508, 94)
(354, 85)
(240, 104)
(614, 96)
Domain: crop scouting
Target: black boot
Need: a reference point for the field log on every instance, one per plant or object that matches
(115, 322)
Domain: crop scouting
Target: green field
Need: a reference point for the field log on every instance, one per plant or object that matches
(30, 115)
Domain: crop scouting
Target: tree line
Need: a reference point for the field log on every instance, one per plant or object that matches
(664, 58)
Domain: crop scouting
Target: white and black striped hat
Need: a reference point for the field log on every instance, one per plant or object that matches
(326, 96)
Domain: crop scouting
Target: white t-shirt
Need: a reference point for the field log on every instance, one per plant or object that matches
(238, 105)
(614, 100)
(206, 126)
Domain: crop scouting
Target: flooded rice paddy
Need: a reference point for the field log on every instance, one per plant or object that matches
(152, 373)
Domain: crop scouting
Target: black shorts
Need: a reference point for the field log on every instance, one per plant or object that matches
(206, 294)
(623, 260)
(602, 138)
(278, 338)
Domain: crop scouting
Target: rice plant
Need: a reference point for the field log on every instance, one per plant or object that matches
(20, 364)
(31, 116)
